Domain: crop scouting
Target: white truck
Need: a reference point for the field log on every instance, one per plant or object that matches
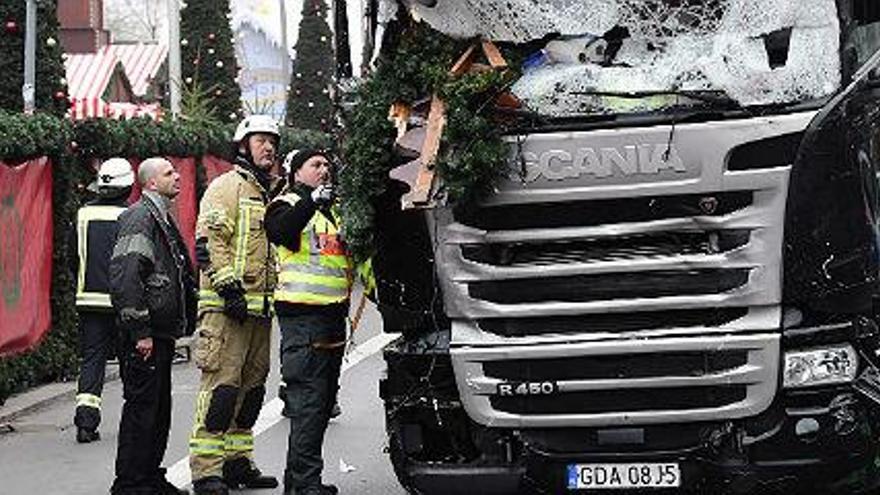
(675, 287)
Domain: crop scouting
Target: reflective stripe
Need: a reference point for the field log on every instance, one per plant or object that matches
(88, 400)
(206, 446)
(222, 276)
(238, 442)
(321, 290)
(86, 215)
(327, 271)
(129, 314)
(248, 212)
(93, 300)
(241, 241)
(308, 298)
(107, 213)
(210, 299)
(305, 282)
(134, 243)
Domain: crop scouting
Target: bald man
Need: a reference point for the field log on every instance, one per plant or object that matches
(153, 294)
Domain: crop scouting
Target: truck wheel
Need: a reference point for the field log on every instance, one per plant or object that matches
(400, 463)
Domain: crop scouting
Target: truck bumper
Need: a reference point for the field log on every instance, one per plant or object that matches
(787, 450)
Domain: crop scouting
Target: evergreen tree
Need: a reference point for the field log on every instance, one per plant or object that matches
(308, 103)
(208, 57)
(51, 88)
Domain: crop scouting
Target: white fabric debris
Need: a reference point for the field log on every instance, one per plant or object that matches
(687, 45)
(517, 20)
(345, 467)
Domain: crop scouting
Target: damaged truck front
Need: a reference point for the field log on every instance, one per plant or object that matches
(675, 285)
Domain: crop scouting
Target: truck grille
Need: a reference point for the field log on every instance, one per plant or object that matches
(617, 365)
(610, 401)
(595, 250)
(611, 322)
(603, 211)
(602, 383)
(647, 292)
(584, 288)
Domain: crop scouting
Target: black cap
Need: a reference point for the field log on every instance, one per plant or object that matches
(301, 156)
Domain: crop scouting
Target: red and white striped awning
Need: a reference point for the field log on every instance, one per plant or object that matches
(141, 61)
(89, 74)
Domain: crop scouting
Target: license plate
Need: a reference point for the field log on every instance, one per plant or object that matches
(635, 475)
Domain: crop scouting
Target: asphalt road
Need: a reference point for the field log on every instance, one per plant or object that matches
(41, 454)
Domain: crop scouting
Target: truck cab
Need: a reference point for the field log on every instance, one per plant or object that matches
(673, 287)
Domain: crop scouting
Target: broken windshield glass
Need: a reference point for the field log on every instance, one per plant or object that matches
(757, 52)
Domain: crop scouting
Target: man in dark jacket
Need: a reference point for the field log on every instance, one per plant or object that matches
(153, 293)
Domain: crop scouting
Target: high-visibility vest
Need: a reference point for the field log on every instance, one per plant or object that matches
(320, 271)
(96, 233)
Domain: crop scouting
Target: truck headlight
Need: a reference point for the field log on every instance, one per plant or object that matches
(810, 367)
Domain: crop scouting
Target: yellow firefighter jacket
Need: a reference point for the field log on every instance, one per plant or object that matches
(231, 218)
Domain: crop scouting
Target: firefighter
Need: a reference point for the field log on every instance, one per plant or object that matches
(235, 313)
(311, 301)
(95, 234)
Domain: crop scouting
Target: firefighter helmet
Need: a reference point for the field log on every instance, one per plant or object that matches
(256, 123)
(114, 173)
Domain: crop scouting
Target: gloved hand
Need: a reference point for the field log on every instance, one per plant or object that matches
(234, 303)
(323, 194)
(203, 257)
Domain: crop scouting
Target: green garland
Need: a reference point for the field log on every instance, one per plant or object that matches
(71, 146)
(472, 153)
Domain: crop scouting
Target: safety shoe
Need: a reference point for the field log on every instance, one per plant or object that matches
(87, 436)
(212, 485)
(318, 490)
(240, 473)
(164, 487)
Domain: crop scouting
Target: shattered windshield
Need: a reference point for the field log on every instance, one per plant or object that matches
(622, 56)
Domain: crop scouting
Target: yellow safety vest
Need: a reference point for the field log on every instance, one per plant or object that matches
(86, 298)
(320, 272)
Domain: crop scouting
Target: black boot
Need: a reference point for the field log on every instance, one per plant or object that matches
(164, 487)
(87, 436)
(212, 485)
(318, 490)
(239, 473)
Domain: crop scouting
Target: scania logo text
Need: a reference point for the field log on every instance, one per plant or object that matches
(642, 159)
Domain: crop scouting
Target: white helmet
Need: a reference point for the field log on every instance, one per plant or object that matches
(256, 123)
(286, 163)
(114, 173)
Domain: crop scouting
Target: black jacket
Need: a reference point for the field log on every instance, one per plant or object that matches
(92, 269)
(152, 285)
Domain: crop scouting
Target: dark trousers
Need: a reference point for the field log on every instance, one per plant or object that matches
(97, 339)
(311, 376)
(146, 417)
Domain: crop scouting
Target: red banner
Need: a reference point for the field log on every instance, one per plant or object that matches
(185, 208)
(215, 167)
(25, 254)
